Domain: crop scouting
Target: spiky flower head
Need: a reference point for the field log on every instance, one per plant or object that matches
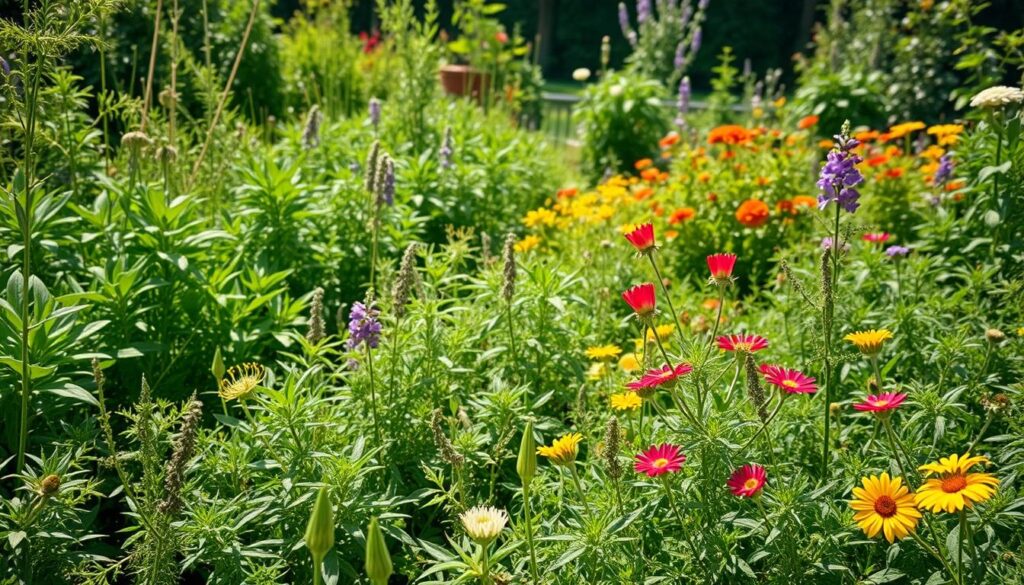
(840, 176)
(508, 287)
(181, 454)
(372, 161)
(375, 108)
(612, 445)
(136, 140)
(240, 380)
(484, 524)
(994, 336)
(317, 328)
(443, 443)
(311, 132)
(404, 282)
(754, 390)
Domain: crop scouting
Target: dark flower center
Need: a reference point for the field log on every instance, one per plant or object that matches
(954, 483)
(885, 506)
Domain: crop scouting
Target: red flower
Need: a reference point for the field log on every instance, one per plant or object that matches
(744, 343)
(501, 36)
(721, 266)
(881, 403)
(791, 381)
(660, 459)
(682, 214)
(641, 299)
(878, 238)
(659, 376)
(642, 238)
(670, 139)
(747, 481)
(807, 122)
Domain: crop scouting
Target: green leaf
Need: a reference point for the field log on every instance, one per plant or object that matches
(987, 172)
(35, 372)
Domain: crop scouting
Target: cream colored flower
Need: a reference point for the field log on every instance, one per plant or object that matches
(997, 97)
(581, 74)
(483, 523)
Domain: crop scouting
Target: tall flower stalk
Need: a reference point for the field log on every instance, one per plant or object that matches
(837, 182)
(526, 467)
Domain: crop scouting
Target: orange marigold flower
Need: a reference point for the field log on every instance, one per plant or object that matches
(866, 135)
(730, 134)
(807, 122)
(763, 181)
(752, 213)
(826, 144)
(682, 214)
(643, 193)
(785, 206)
(894, 173)
(650, 174)
(670, 139)
(704, 177)
(643, 164)
(879, 160)
(804, 201)
(567, 193)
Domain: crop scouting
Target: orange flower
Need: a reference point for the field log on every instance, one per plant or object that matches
(879, 160)
(704, 177)
(894, 173)
(729, 134)
(669, 140)
(643, 164)
(807, 122)
(752, 213)
(671, 234)
(826, 144)
(866, 135)
(567, 193)
(763, 181)
(712, 197)
(804, 201)
(682, 214)
(785, 206)
(651, 175)
(644, 193)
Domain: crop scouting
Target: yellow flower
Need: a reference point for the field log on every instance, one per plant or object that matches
(603, 352)
(239, 381)
(663, 331)
(563, 451)
(596, 371)
(541, 216)
(1020, 331)
(869, 342)
(946, 134)
(629, 363)
(955, 489)
(885, 506)
(626, 401)
(901, 130)
(528, 243)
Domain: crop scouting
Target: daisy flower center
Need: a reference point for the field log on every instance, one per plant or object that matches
(790, 384)
(885, 506)
(750, 484)
(743, 346)
(659, 463)
(954, 483)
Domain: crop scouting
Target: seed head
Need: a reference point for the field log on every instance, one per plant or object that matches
(508, 288)
(994, 336)
(372, 161)
(49, 486)
(444, 445)
(316, 317)
(404, 282)
(754, 390)
(612, 443)
(184, 447)
(311, 133)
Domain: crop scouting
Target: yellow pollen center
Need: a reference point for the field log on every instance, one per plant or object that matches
(954, 483)
(789, 384)
(750, 483)
(885, 506)
(660, 462)
(743, 346)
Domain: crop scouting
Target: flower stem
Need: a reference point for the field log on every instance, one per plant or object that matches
(373, 395)
(764, 426)
(679, 516)
(485, 577)
(579, 487)
(317, 578)
(529, 531)
(878, 372)
(938, 555)
(760, 506)
(960, 548)
(829, 308)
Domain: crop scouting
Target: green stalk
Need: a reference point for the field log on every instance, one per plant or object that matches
(317, 578)
(579, 487)
(960, 549)
(485, 577)
(938, 555)
(529, 532)
(830, 309)
(668, 296)
(26, 263)
(373, 395)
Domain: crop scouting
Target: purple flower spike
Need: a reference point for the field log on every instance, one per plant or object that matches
(897, 252)
(363, 326)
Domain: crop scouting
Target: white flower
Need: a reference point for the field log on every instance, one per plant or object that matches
(616, 90)
(581, 74)
(484, 523)
(997, 97)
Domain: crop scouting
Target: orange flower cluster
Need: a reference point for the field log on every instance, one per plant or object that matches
(752, 213)
(730, 134)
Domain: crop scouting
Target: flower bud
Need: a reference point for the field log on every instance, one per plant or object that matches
(526, 465)
(49, 485)
(320, 530)
(994, 335)
(217, 367)
(378, 560)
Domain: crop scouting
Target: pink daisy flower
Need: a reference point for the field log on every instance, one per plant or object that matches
(790, 381)
(747, 481)
(880, 402)
(658, 376)
(744, 343)
(660, 459)
(875, 238)
(642, 238)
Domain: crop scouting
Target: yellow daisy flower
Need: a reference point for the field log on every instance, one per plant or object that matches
(954, 489)
(629, 363)
(869, 342)
(663, 331)
(604, 353)
(596, 371)
(528, 243)
(239, 381)
(884, 505)
(564, 450)
(626, 401)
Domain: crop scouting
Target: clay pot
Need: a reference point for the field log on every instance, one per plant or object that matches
(463, 80)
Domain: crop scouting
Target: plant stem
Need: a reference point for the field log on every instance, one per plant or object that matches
(529, 532)
(828, 312)
(373, 395)
(485, 577)
(760, 506)
(679, 516)
(668, 296)
(764, 426)
(938, 555)
(960, 548)
(317, 578)
(878, 372)
(579, 487)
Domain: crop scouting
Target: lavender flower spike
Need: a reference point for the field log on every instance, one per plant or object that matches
(680, 58)
(643, 11)
(840, 175)
(375, 108)
(945, 170)
(695, 42)
(624, 20)
(363, 326)
(897, 252)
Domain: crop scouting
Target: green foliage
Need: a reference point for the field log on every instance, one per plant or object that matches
(621, 119)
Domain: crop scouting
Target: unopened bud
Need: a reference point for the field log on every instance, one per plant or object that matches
(378, 559)
(526, 464)
(320, 530)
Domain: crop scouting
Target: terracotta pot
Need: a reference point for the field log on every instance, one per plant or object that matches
(463, 80)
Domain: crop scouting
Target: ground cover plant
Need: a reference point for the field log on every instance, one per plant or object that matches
(332, 325)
